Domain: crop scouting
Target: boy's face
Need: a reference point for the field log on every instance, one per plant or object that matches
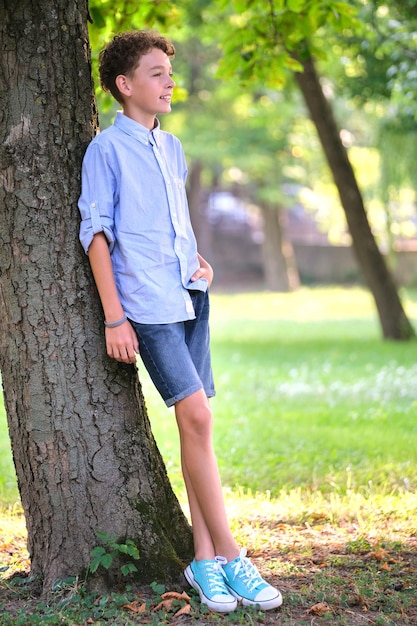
(147, 92)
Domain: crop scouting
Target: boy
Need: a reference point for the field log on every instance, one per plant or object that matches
(153, 286)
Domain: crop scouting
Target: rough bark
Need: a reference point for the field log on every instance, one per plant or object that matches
(84, 453)
(394, 322)
(278, 259)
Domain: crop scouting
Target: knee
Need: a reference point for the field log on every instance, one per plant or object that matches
(197, 421)
(201, 421)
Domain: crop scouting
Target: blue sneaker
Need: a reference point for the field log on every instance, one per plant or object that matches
(208, 578)
(246, 584)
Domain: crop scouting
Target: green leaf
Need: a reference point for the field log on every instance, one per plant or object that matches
(128, 548)
(132, 551)
(106, 560)
(109, 540)
(128, 568)
(293, 64)
(157, 588)
(95, 564)
(98, 552)
(296, 5)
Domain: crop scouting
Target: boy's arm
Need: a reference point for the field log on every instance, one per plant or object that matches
(121, 341)
(204, 271)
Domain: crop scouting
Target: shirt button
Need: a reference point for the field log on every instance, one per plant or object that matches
(93, 205)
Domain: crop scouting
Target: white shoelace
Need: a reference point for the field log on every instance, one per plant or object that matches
(215, 575)
(247, 572)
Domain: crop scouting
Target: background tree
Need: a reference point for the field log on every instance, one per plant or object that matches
(262, 41)
(84, 454)
(379, 62)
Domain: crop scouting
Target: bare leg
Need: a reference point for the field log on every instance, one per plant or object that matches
(212, 535)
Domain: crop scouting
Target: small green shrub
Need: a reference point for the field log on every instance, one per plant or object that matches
(104, 556)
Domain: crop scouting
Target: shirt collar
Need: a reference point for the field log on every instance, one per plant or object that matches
(136, 130)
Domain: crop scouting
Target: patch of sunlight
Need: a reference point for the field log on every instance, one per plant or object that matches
(305, 304)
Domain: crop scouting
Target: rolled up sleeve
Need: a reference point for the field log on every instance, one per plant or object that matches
(98, 196)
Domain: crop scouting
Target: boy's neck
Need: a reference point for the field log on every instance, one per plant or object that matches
(148, 122)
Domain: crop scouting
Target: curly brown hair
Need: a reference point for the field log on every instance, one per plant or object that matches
(122, 56)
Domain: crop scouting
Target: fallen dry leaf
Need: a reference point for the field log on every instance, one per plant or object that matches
(378, 555)
(185, 610)
(165, 604)
(136, 607)
(176, 596)
(355, 599)
(319, 609)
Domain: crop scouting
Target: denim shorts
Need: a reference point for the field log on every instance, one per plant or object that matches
(177, 355)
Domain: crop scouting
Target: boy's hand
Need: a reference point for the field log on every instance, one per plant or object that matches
(204, 271)
(122, 343)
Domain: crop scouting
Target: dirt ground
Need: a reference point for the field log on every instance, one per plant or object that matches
(327, 575)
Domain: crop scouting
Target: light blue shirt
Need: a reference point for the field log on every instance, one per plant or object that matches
(133, 190)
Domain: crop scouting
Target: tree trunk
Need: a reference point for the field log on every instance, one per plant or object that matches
(84, 454)
(394, 322)
(280, 268)
(201, 226)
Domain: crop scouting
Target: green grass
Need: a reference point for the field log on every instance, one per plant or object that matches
(8, 487)
(308, 396)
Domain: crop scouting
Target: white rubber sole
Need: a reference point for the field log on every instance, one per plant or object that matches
(265, 605)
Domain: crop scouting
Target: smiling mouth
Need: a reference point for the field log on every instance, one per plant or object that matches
(168, 98)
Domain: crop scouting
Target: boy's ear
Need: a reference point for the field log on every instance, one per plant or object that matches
(122, 84)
